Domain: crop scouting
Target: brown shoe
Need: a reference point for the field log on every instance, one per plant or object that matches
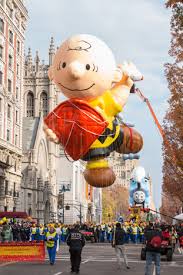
(100, 177)
(132, 141)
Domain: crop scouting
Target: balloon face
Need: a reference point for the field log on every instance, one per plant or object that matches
(139, 197)
(83, 67)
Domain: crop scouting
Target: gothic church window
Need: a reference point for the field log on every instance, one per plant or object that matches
(30, 105)
(43, 103)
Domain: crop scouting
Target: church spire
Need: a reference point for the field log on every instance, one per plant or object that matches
(51, 51)
(37, 60)
(29, 57)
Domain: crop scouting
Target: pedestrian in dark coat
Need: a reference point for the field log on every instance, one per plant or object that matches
(76, 242)
(153, 239)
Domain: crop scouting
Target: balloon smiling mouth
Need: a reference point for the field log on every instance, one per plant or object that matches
(76, 90)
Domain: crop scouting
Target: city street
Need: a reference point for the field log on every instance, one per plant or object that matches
(97, 259)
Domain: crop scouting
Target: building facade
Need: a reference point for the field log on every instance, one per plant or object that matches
(122, 168)
(13, 18)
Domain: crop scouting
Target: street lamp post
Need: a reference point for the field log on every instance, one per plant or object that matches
(65, 187)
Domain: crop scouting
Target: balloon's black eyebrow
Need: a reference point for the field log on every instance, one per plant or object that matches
(80, 48)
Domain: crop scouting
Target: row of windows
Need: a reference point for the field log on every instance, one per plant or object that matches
(10, 35)
(6, 188)
(10, 60)
(6, 208)
(9, 111)
(43, 104)
(8, 136)
(9, 85)
(10, 13)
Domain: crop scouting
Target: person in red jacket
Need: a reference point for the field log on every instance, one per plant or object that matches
(166, 234)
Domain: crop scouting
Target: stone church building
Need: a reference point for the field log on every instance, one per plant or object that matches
(39, 188)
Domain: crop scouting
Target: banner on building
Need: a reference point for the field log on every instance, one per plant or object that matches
(22, 251)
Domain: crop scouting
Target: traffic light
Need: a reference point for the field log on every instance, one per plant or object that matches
(67, 207)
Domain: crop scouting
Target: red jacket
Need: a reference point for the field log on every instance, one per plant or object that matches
(166, 235)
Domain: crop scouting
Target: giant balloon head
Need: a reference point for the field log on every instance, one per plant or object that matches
(84, 67)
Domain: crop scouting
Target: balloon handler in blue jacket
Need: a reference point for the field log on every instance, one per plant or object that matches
(51, 238)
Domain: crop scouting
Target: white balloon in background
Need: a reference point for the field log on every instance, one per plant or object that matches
(138, 173)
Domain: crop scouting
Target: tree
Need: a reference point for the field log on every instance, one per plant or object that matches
(170, 207)
(173, 121)
(170, 3)
(115, 202)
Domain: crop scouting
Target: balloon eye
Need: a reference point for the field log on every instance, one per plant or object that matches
(63, 65)
(87, 67)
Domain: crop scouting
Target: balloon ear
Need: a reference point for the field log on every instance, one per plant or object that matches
(117, 76)
(50, 73)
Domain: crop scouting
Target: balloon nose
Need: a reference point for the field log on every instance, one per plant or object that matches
(76, 69)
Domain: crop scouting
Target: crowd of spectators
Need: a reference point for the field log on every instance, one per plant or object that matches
(134, 233)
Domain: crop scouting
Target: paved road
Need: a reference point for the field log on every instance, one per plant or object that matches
(97, 259)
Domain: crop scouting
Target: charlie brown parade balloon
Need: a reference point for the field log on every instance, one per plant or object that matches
(86, 124)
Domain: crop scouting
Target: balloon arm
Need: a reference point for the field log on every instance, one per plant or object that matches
(121, 90)
(121, 94)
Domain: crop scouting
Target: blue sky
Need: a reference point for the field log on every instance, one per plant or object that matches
(138, 31)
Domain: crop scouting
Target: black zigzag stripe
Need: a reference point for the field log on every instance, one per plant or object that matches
(108, 132)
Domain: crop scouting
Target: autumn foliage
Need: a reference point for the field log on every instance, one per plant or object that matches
(115, 202)
(173, 122)
(171, 3)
